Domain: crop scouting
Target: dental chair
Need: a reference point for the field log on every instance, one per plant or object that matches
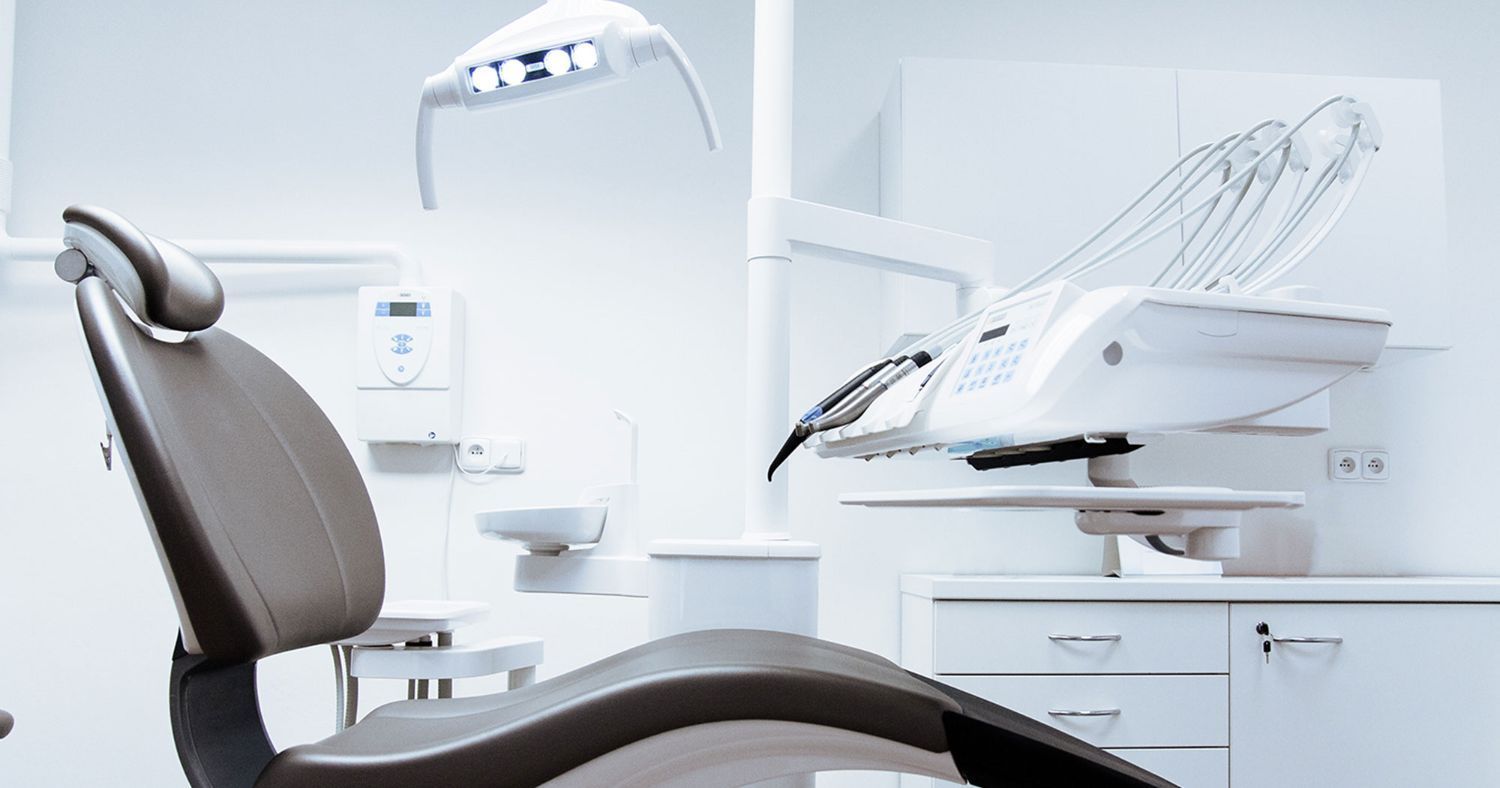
(268, 540)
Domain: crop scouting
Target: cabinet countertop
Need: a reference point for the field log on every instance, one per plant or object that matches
(1202, 589)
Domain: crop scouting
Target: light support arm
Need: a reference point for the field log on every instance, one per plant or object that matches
(662, 40)
(426, 117)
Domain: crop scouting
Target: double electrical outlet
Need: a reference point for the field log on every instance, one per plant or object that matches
(1359, 465)
(487, 454)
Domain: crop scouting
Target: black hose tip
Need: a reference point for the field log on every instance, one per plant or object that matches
(792, 442)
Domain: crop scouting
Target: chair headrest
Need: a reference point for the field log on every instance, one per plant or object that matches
(164, 284)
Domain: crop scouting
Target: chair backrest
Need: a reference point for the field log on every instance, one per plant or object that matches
(260, 517)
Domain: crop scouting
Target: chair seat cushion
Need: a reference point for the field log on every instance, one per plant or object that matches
(527, 736)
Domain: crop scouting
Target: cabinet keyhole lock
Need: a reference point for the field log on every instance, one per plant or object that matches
(1264, 630)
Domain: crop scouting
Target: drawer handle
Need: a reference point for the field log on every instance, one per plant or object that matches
(1084, 638)
(1084, 712)
(1332, 640)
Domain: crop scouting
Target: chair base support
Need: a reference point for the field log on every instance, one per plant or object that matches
(221, 738)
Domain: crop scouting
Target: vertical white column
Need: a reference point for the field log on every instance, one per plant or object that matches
(768, 341)
(7, 85)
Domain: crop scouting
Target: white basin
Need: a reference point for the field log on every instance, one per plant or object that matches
(545, 530)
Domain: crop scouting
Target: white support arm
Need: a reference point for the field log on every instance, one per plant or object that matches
(778, 226)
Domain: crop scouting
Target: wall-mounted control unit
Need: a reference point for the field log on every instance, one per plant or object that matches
(410, 364)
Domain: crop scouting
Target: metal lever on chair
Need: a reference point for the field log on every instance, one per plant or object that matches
(1084, 638)
(1084, 712)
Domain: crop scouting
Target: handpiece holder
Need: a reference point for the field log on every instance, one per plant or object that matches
(517, 64)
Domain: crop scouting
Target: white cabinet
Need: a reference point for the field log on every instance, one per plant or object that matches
(1411, 696)
(1189, 768)
(1117, 711)
(1079, 637)
(1371, 683)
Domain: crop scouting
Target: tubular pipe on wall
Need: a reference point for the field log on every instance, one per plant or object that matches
(43, 250)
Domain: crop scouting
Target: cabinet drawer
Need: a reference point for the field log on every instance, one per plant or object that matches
(1047, 637)
(1189, 768)
(1150, 711)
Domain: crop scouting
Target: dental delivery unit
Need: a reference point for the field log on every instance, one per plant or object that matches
(1052, 372)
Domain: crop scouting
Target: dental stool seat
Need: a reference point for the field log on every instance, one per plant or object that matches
(274, 546)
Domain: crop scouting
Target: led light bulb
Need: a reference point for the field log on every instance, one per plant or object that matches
(512, 72)
(485, 78)
(557, 62)
(585, 55)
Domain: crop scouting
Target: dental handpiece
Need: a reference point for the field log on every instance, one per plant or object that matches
(803, 427)
(858, 396)
(857, 403)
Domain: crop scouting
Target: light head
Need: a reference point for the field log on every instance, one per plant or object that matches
(565, 46)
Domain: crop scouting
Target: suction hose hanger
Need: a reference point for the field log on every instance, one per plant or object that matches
(562, 47)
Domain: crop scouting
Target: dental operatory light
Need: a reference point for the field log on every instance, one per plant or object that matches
(565, 45)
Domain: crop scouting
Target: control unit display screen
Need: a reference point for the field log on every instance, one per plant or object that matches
(403, 309)
(997, 355)
(994, 332)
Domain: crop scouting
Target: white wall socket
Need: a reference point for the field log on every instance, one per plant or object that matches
(491, 454)
(1375, 466)
(1359, 465)
(1343, 465)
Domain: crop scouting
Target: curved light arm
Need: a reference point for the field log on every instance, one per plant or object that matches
(426, 112)
(694, 85)
(438, 92)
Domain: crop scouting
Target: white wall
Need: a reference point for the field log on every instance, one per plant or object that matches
(594, 237)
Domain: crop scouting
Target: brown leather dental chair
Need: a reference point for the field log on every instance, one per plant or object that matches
(269, 543)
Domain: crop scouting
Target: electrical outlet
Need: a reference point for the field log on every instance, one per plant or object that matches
(1344, 465)
(1375, 466)
(474, 455)
(481, 454)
